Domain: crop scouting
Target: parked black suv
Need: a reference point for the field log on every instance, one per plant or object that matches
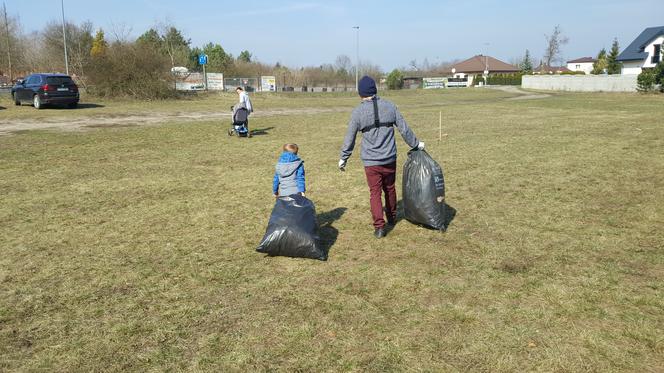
(45, 89)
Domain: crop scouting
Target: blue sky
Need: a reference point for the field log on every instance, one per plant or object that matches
(392, 33)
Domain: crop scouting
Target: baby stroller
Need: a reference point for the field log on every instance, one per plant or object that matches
(240, 122)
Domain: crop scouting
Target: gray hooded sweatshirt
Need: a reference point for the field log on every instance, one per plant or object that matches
(378, 145)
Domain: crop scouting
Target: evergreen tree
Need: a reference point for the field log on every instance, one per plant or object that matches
(151, 39)
(175, 46)
(659, 75)
(612, 65)
(218, 59)
(600, 64)
(99, 45)
(527, 63)
(244, 56)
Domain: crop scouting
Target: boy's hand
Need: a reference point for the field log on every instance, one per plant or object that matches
(302, 193)
(276, 195)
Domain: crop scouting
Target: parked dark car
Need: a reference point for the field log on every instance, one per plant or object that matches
(46, 89)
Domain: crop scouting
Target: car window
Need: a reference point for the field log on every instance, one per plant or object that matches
(59, 80)
(34, 79)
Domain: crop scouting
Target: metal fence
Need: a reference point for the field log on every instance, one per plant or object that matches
(248, 84)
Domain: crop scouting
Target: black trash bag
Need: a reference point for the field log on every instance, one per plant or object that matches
(293, 230)
(423, 190)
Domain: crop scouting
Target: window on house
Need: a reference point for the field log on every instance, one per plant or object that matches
(656, 54)
(578, 67)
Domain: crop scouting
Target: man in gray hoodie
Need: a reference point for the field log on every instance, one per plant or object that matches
(376, 118)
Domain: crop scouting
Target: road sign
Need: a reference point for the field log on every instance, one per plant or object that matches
(202, 59)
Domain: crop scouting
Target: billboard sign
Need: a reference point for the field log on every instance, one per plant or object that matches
(189, 82)
(268, 83)
(215, 81)
(432, 83)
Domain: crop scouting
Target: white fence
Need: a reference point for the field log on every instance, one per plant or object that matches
(581, 83)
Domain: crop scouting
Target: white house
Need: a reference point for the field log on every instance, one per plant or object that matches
(644, 52)
(584, 64)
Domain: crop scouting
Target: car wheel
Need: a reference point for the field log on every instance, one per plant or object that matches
(73, 105)
(36, 102)
(17, 102)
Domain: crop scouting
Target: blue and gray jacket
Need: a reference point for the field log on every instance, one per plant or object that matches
(289, 175)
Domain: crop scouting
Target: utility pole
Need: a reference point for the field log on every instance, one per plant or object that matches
(64, 35)
(9, 53)
(357, 60)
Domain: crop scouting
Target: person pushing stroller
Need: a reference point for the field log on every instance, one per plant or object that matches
(241, 112)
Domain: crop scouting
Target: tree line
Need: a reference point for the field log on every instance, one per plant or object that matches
(114, 64)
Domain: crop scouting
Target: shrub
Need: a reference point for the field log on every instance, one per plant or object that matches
(130, 70)
(395, 80)
(645, 82)
(572, 73)
(504, 79)
(659, 75)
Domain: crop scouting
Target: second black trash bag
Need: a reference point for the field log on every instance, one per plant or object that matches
(293, 230)
(423, 190)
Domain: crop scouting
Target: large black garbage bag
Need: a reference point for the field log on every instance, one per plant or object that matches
(293, 230)
(423, 190)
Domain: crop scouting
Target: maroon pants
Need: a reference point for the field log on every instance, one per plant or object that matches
(382, 178)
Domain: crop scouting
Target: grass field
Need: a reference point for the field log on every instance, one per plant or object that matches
(132, 248)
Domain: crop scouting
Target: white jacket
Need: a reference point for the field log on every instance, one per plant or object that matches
(245, 102)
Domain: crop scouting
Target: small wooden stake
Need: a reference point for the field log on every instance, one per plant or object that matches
(440, 125)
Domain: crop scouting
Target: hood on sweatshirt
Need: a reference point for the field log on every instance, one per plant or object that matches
(288, 164)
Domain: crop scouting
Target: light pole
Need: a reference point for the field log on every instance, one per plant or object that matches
(64, 35)
(357, 60)
(486, 63)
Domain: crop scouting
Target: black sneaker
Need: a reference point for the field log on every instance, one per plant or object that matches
(379, 232)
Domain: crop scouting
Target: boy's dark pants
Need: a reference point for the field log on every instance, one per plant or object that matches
(382, 178)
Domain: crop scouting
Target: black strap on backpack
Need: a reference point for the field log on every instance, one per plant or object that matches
(377, 122)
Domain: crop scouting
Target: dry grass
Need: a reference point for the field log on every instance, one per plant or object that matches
(132, 248)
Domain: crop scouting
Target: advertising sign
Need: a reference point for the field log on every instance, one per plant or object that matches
(215, 81)
(268, 83)
(189, 82)
(432, 83)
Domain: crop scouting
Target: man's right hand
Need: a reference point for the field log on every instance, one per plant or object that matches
(342, 165)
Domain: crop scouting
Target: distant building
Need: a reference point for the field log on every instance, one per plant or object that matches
(584, 64)
(550, 70)
(412, 82)
(478, 64)
(644, 52)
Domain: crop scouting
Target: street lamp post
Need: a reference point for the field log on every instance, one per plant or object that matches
(357, 60)
(64, 35)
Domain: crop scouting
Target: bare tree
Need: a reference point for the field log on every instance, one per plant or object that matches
(344, 67)
(9, 44)
(554, 42)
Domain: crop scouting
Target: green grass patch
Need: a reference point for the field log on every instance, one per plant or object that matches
(132, 248)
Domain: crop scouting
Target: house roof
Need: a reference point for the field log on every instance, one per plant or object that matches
(550, 69)
(479, 63)
(583, 59)
(635, 51)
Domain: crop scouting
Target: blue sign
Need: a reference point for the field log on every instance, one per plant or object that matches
(202, 59)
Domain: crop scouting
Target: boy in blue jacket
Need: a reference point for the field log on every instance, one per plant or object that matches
(289, 174)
